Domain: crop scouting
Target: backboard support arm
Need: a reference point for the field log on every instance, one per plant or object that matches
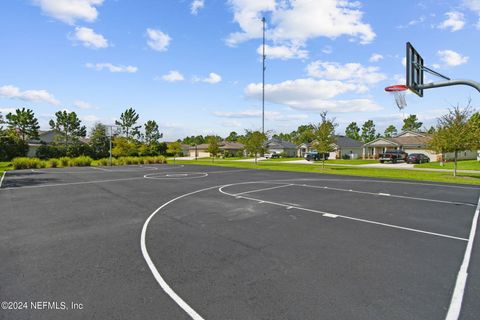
(432, 85)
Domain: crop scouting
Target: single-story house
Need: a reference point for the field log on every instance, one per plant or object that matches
(278, 146)
(44, 137)
(344, 147)
(410, 142)
(201, 150)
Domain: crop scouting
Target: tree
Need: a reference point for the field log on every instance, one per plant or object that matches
(69, 125)
(232, 137)
(174, 148)
(127, 122)
(454, 133)
(411, 123)
(303, 134)
(99, 141)
(368, 131)
(324, 134)
(152, 133)
(254, 142)
(431, 130)
(193, 140)
(474, 123)
(24, 123)
(353, 131)
(124, 147)
(11, 145)
(390, 131)
(213, 147)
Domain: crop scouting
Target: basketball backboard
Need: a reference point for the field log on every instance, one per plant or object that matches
(414, 70)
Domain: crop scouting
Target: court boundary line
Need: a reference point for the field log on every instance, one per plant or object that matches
(3, 176)
(457, 297)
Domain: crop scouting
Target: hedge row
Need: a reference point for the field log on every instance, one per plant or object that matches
(82, 161)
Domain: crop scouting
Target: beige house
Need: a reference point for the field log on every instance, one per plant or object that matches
(201, 150)
(410, 142)
(344, 147)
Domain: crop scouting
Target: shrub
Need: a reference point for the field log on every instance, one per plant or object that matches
(28, 163)
(82, 161)
(103, 162)
(48, 152)
(64, 161)
(53, 163)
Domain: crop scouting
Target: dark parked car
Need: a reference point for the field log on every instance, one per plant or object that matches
(315, 156)
(394, 156)
(417, 158)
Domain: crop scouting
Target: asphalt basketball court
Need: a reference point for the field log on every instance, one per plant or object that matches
(180, 242)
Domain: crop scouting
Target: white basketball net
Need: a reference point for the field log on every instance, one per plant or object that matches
(400, 100)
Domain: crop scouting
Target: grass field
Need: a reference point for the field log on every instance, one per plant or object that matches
(446, 176)
(461, 165)
(5, 166)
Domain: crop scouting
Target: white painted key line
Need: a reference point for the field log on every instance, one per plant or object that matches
(459, 290)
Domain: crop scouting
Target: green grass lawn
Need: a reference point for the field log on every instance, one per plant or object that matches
(4, 166)
(461, 165)
(354, 171)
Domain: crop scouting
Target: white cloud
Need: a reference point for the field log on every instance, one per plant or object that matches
(473, 5)
(455, 21)
(351, 72)
(295, 22)
(452, 58)
(212, 78)
(82, 105)
(13, 92)
(196, 5)
(269, 115)
(173, 76)
(69, 11)
(283, 52)
(327, 49)
(353, 105)
(89, 38)
(404, 61)
(414, 22)
(375, 57)
(157, 40)
(112, 68)
(311, 94)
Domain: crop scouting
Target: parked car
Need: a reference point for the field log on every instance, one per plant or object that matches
(393, 156)
(315, 156)
(417, 158)
(272, 155)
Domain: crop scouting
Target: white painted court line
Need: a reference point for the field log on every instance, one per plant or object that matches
(3, 177)
(163, 284)
(459, 290)
(388, 195)
(264, 189)
(102, 169)
(329, 214)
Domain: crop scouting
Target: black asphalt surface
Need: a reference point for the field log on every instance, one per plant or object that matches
(267, 245)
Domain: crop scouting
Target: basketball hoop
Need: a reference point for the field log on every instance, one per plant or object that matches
(398, 92)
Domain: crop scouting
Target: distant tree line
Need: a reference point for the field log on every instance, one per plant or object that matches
(128, 137)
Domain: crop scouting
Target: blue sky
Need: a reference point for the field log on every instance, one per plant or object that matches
(193, 65)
